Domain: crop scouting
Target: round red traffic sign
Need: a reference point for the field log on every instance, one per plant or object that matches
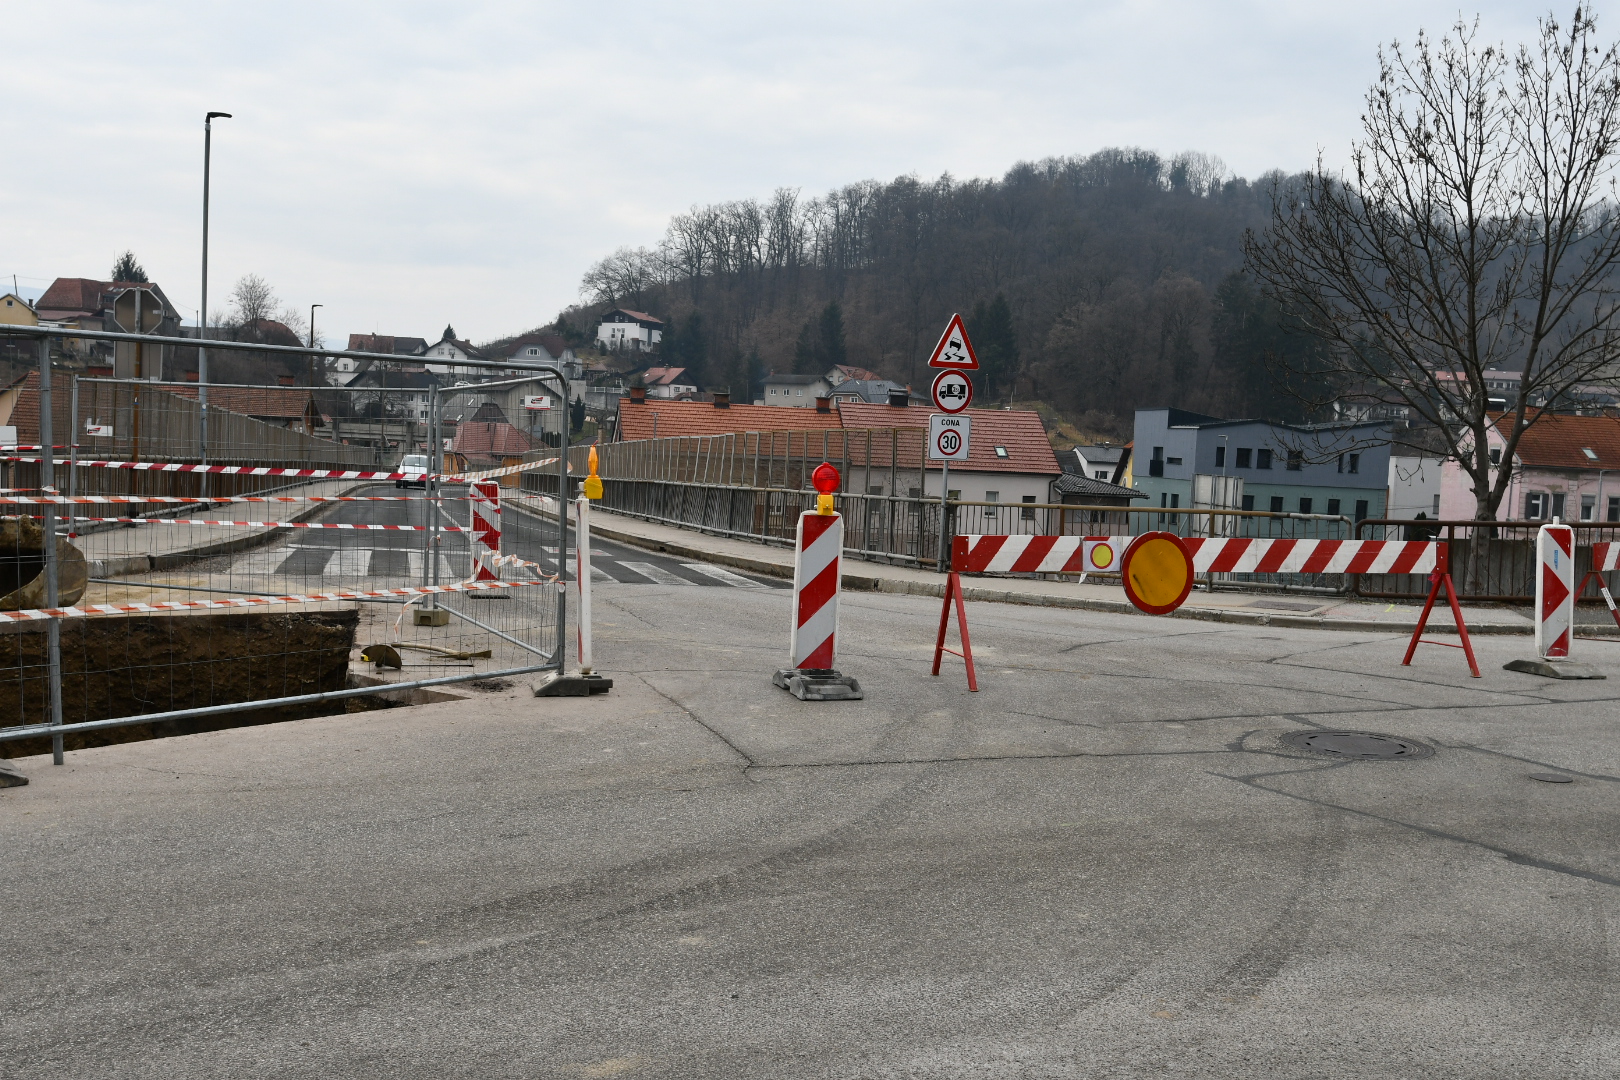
(1158, 572)
(952, 391)
(949, 443)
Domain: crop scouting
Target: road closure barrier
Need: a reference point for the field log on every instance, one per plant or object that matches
(1605, 558)
(817, 571)
(484, 503)
(1555, 604)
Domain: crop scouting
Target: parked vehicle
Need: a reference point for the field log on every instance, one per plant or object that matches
(415, 468)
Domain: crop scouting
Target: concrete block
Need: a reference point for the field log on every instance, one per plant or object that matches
(1554, 669)
(9, 776)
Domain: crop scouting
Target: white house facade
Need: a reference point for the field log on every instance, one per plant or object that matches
(634, 331)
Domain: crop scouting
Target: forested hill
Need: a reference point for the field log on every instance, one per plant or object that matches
(1096, 284)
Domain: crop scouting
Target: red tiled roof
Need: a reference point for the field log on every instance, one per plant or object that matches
(552, 343)
(1020, 432)
(281, 402)
(1555, 441)
(664, 376)
(641, 316)
(489, 439)
(853, 372)
(702, 418)
(73, 294)
(25, 413)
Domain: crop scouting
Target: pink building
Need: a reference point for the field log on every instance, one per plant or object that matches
(1566, 467)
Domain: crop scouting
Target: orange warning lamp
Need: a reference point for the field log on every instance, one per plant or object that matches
(593, 483)
(826, 480)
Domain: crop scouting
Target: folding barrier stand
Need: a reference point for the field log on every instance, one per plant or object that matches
(953, 594)
(813, 642)
(1605, 556)
(1441, 576)
(1555, 607)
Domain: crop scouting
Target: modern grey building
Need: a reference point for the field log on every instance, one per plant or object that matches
(1339, 469)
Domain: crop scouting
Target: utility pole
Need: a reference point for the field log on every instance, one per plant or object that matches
(202, 321)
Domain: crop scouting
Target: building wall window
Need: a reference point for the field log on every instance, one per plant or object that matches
(1558, 505)
(1305, 506)
(1296, 460)
(1276, 502)
(1361, 509)
(1588, 507)
(1243, 457)
(1355, 463)
(1220, 457)
(1028, 512)
(1248, 502)
(992, 496)
(1535, 506)
(1264, 461)
(1333, 506)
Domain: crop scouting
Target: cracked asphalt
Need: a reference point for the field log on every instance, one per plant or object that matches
(1105, 864)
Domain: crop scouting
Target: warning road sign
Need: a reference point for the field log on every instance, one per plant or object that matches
(952, 391)
(954, 350)
(948, 437)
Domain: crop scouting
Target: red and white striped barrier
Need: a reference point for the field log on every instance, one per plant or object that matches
(1257, 556)
(484, 503)
(582, 571)
(1555, 591)
(93, 500)
(813, 639)
(274, 524)
(312, 474)
(990, 554)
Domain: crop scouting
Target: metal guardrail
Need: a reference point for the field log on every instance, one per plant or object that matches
(1491, 561)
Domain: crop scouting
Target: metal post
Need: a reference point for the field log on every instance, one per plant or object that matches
(202, 315)
(47, 473)
(561, 653)
(944, 493)
(73, 448)
(430, 564)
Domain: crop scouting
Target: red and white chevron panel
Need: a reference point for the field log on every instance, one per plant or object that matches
(484, 499)
(1605, 557)
(1257, 556)
(1038, 554)
(1555, 590)
(816, 575)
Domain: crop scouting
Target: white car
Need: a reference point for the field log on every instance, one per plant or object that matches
(415, 467)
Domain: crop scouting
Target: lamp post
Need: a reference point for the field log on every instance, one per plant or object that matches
(202, 325)
(312, 308)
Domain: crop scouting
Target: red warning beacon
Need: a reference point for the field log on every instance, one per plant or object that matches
(826, 481)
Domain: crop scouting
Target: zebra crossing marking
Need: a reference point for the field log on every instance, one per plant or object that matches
(656, 574)
(724, 576)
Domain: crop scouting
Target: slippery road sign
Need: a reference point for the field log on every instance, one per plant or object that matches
(952, 391)
(954, 350)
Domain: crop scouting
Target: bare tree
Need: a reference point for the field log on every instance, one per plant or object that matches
(252, 299)
(1478, 232)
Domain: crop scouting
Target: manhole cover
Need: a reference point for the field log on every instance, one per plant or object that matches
(1356, 744)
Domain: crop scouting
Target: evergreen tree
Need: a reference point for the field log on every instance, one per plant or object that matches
(995, 343)
(805, 356)
(1256, 344)
(833, 349)
(686, 345)
(127, 269)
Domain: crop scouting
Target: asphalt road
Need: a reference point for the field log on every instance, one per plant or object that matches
(352, 559)
(1108, 863)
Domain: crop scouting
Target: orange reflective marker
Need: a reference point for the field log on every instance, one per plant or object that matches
(1158, 572)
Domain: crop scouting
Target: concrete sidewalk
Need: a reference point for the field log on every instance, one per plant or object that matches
(1296, 610)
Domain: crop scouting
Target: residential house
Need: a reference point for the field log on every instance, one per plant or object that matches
(116, 306)
(1414, 485)
(841, 373)
(15, 311)
(795, 391)
(345, 369)
(642, 417)
(1101, 462)
(292, 407)
(544, 347)
(1010, 459)
(626, 330)
(1339, 469)
(488, 444)
(447, 357)
(667, 383)
(873, 391)
(1565, 467)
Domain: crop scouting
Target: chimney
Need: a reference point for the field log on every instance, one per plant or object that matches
(824, 404)
(899, 397)
(722, 399)
(638, 395)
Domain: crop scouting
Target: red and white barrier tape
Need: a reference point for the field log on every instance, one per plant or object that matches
(89, 610)
(313, 474)
(277, 524)
(93, 500)
(1605, 556)
(1257, 556)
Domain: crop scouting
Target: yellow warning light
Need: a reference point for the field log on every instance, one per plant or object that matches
(593, 483)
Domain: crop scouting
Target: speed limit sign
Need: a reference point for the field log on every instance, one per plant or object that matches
(948, 437)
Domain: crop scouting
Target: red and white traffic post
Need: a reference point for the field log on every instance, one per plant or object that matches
(484, 499)
(1555, 607)
(812, 674)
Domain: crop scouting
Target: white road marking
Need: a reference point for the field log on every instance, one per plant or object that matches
(656, 573)
(724, 576)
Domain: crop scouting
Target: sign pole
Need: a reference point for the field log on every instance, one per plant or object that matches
(944, 493)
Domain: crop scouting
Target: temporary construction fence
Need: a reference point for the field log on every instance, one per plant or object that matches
(1492, 562)
(145, 590)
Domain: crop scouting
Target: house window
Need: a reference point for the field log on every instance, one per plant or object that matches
(1296, 460)
(1276, 503)
(1220, 457)
(1558, 505)
(1172, 461)
(1614, 507)
(1156, 463)
(534, 352)
(1355, 463)
(992, 496)
(1436, 511)
(1341, 463)
(1100, 475)
(1028, 512)
(1248, 502)
(1001, 451)
(1305, 506)
(1496, 455)
(1535, 506)
(1243, 457)
(1361, 509)
(1588, 506)
(1333, 506)
(1264, 461)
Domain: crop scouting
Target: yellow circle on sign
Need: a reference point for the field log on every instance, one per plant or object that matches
(1159, 574)
(1102, 556)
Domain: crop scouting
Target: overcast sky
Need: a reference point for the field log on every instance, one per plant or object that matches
(412, 164)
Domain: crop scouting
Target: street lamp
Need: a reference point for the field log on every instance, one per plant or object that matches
(312, 308)
(202, 327)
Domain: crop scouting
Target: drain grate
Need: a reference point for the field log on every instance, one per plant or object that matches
(1356, 744)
